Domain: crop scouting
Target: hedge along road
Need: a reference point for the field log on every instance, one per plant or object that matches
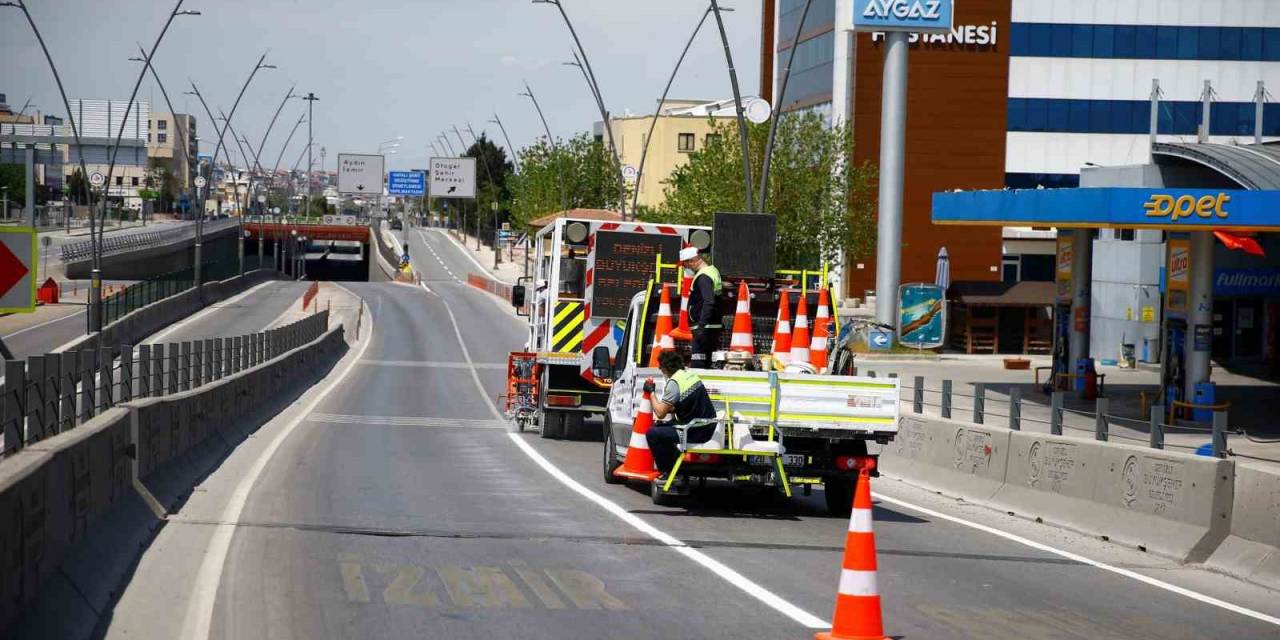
(402, 506)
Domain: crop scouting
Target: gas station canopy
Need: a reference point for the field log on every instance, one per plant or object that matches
(1113, 207)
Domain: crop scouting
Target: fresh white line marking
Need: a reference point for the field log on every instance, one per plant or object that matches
(213, 308)
(42, 324)
(1159, 584)
(734, 578)
(199, 618)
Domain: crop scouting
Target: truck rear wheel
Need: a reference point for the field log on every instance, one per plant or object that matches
(575, 426)
(838, 492)
(611, 461)
(553, 424)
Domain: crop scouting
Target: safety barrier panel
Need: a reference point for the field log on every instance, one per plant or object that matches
(82, 495)
(485, 283)
(77, 251)
(310, 295)
(1252, 550)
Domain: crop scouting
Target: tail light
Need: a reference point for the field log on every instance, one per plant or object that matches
(854, 463)
(702, 458)
(563, 401)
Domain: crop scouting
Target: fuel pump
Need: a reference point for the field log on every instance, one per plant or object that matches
(1061, 345)
(1173, 372)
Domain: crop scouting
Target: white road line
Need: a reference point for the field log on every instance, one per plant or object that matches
(42, 324)
(206, 311)
(1159, 584)
(734, 578)
(467, 252)
(199, 617)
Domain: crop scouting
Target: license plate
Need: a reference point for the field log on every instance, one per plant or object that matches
(788, 460)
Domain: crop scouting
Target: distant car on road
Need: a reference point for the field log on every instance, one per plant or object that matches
(397, 225)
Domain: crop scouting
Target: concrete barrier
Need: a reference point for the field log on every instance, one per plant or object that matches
(1177, 505)
(1252, 550)
(78, 508)
(1174, 504)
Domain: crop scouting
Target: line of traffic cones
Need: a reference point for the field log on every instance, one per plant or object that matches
(639, 465)
(801, 342)
(858, 614)
(662, 340)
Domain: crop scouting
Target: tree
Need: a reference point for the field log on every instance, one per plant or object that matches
(76, 187)
(492, 169)
(13, 181)
(823, 201)
(578, 174)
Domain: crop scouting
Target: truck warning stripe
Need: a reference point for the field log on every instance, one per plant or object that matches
(566, 329)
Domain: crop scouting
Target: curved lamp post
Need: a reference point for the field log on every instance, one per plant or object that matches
(551, 142)
(777, 111)
(737, 101)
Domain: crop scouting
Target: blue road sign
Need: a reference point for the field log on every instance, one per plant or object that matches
(880, 340)
(407, 183)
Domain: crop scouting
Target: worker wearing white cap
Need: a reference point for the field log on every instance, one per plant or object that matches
(704, 307)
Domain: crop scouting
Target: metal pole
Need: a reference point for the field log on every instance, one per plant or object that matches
(608, 125)
(311, 101)
(263, 143)
(644, 151)
(1154, 126)
(284, 148)
(1100, 425)
(1206, 99)
(1015, 408)
(1260, 100)
(945, 403)
(186, 154)
(515, 159)
(1199, 312)
(777, 110)
(30, 178)
(564, 195)
(737, 101)
(1055, 413)
(1219, 434)
(893, 136)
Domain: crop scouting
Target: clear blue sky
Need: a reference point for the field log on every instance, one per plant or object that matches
(381, 68)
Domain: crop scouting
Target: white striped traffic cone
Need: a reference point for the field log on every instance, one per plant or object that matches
(857, 615)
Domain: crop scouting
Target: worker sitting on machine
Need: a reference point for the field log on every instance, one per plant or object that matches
(684, 404)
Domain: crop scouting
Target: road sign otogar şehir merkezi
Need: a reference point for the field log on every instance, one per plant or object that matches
(17, 270)
(453, 178)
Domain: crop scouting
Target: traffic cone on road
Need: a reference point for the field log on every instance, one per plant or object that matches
(741, 339)
(821, 322)
(857, 615)
(662, 331)
(638, 465)
(800, 339)
(782, 331)
(682, 332)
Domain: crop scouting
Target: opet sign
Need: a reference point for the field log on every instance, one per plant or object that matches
(903, 15)
(1166, 206)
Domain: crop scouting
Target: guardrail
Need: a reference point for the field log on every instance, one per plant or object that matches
(56, 392)
(77, 251)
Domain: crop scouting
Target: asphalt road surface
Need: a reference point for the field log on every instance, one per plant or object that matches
(395, 503)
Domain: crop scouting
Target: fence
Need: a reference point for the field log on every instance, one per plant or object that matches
(77, 251)
(52, 393)
(984, 408)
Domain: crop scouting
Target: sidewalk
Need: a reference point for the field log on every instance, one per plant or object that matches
(508, 270)
(343, 307)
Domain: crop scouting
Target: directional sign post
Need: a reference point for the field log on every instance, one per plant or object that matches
(880, 340)
(407, 183)
(17, 270)
(360, 174)
(453, 178)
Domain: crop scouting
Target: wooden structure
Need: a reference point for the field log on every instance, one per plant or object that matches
(1000, 317)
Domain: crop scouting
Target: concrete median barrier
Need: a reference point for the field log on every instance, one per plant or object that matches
(76, 509)
(1177, 505)
(965, 460)
(1252, 550)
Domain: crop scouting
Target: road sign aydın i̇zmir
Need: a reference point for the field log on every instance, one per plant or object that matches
(17, 270)
(407, 183)
(924, 16)
(360, 173)
(453, 178)
(922, 315)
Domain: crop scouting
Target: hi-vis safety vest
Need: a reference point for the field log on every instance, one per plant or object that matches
(709, 271)
(693, 403)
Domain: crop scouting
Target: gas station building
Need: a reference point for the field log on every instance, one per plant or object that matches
(1178, 259)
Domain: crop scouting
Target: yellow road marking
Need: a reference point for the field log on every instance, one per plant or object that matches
(538, 585)
(400, 591)
(353, 582)
(481, 587)
(585, 590)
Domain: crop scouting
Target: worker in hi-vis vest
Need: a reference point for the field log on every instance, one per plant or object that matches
(704, 307)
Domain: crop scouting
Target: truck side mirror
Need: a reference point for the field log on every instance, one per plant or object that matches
(517, 296)
(600, 364)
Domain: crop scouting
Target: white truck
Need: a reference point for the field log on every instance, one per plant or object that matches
(584, 277)
(775, 429)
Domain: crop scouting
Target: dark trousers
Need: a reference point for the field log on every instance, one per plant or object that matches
(664, 442)
(704, 342)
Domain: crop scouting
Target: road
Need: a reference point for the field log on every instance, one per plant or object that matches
(392, 502)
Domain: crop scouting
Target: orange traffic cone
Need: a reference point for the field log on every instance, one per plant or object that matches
(638, 465)
(821, 320)
(662, 332)
(741, 339)
(782, 331)
(800, 339)
(683, 332)
(857, 615)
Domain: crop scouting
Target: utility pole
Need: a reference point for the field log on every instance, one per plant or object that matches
(311, 101)
(737, 100)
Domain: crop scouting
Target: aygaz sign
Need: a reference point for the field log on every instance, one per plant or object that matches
(903, 15)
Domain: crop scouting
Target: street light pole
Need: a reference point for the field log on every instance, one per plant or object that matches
(484, 158)
(311, 101)
(737, 101)
(515, 159)
(462, 206)
(644, 152)
(186, 154)
(551, 142)
(777, 110)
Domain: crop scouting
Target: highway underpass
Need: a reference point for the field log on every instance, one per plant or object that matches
(391, 501)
